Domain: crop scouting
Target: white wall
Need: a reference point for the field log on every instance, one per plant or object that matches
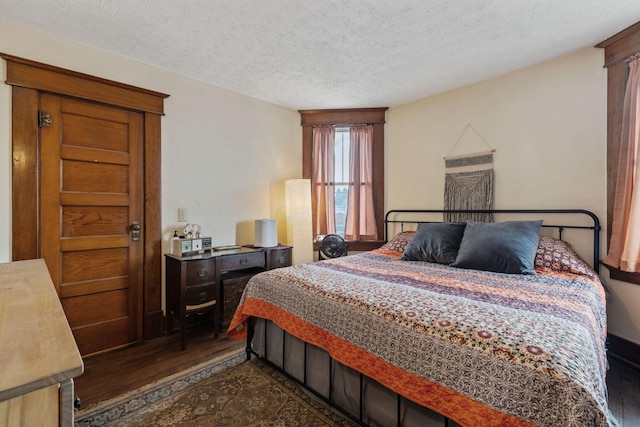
(221, 151)
(548, 126)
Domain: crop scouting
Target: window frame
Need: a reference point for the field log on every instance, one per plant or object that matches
(617, 49)
(341, 118)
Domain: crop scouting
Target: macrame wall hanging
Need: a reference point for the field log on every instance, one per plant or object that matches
(468, 183)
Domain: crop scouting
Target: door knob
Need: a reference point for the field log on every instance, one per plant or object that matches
(135, 230)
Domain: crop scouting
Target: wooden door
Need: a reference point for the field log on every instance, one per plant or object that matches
(90, 195)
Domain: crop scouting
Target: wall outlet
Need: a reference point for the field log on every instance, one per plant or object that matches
(182, 215)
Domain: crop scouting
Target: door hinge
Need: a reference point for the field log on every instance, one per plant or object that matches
(44, 119)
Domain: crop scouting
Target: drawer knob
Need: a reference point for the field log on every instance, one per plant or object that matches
(243, 261)
(282, 260)
(202, 296)
(202, 273)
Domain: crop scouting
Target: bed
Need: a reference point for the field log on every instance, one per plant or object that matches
(403, 336)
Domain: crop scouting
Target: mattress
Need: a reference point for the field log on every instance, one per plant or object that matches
(478, 347)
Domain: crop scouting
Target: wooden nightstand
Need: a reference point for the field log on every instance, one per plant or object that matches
(213, 282)
(192, 288)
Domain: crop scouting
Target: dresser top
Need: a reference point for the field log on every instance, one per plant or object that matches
(214, 254)
(37, 347)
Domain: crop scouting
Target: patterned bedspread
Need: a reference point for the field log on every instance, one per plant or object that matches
(480, 348)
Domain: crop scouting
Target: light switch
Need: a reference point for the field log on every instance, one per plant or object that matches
(182, 215)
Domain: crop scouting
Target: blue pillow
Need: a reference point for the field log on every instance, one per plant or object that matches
(435, 242)
(503, 247)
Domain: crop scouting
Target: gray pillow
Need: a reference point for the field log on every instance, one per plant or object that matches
(435, 242)
(502, 247)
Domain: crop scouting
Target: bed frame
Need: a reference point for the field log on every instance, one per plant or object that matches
(266, 332)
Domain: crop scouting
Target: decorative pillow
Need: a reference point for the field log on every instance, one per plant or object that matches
(558, 255)
(435, 242)
(399, 242)
(502, 247)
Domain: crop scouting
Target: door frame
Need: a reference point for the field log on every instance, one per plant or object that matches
(29, 78)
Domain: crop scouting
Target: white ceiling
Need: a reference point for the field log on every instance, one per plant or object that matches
(333, 53)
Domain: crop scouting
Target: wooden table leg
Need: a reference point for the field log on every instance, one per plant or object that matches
(66, 403)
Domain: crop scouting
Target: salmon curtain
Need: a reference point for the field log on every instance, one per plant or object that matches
(361, 220)
(323, 178)
(624, 247)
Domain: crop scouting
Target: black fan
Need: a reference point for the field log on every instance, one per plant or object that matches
(332, 246)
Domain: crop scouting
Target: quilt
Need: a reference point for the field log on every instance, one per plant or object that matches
(480, 348)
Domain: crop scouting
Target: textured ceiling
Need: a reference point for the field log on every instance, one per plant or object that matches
(330, 53)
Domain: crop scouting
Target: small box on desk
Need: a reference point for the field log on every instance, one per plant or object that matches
(191, 246)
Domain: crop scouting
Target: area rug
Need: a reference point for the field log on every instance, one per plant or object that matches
(227, 392)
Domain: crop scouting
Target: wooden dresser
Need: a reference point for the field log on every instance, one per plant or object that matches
(38, 356)
(213, 282)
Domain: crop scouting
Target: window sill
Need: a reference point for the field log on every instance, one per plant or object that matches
(357, 246)
(624, 276)
(364, 245)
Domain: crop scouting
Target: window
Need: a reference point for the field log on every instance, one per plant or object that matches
(339, 184)
(617, 49)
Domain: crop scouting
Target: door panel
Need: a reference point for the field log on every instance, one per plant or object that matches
(91, 193)
(81, 221)
(98, 307)
(89, 177)
(97, 133)
(84, 265)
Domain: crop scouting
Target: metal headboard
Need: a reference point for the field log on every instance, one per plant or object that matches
(395, 217)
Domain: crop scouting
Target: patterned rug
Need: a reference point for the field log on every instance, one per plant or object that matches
(225, 392)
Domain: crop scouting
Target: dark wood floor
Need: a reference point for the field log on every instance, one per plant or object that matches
(623, 381)
(111, 374)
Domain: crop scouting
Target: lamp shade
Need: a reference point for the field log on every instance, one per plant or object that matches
(266, 234)
(298, 215)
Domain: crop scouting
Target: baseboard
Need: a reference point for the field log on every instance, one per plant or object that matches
(622, 349)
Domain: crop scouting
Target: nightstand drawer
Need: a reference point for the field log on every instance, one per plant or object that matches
(198, 295)
(199, 272)
(279, 258)
(242, 261)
